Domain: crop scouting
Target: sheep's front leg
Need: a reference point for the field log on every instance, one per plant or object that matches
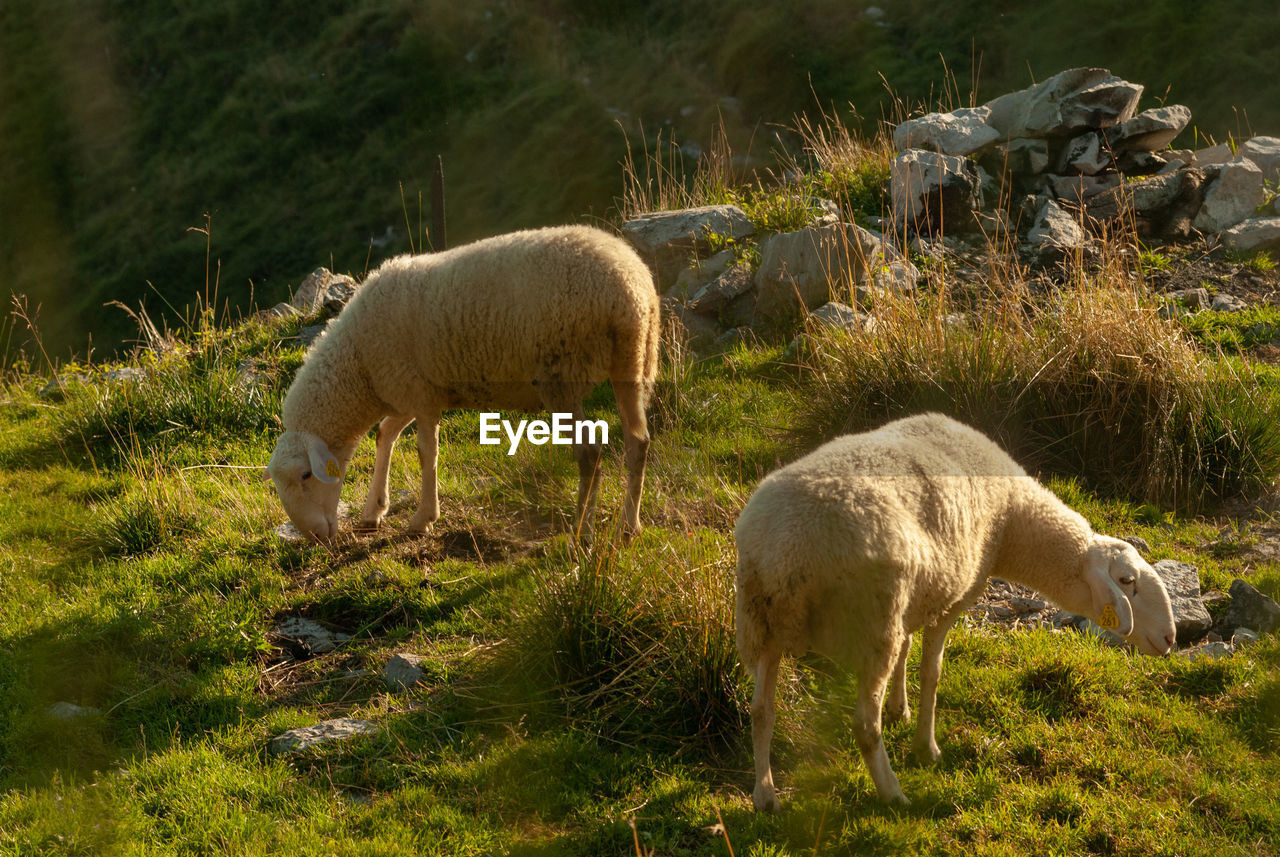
(763, 716)
(897, 707)
(871, 687)
(934, 639)
(428, 457)
(375, 506)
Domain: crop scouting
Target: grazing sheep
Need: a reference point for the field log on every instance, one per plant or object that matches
(527, 321)
(873, 536)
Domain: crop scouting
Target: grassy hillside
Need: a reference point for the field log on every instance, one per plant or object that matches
(593, 704)
(308, 133)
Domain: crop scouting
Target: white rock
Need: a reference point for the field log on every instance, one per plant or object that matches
(1085, 156)
(1265, 153)
(323, 288)
(1055, 228)
(1071, 101)
(838, 316)
(1256, 233)
(68, 711)
(814, 265)
(927, 186)
(1149, 130)
(1223, 302)
(312, 635)
(1232, 197)
(403, 671)
(1221, 153)
(306, 737)
(664, 239)
(960, 132)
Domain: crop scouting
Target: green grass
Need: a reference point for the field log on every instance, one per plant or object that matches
(564, 700)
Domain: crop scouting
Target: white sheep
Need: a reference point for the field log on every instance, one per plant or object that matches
(873, 536)
(527, 321)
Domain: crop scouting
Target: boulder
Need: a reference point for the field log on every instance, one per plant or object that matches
(838, 316)
(323, 289)
(1024, 156)
(716, 295)
(666, 239)
(1085, 155)
(1264, 152)
(1054, 230)
(699, 273)
(933, 193)
(306, 737)
(1072, 101)
(1077, 189)
(1256, 233)
(1250, 609)
(1190, 617)
(1232, 197)
(960, 132)
(1149, 130)
(1163, 206)
(809, 266)
(1221, 153)
(403, 671)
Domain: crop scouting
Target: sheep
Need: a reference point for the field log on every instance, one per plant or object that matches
(871, 537)
(525, 321)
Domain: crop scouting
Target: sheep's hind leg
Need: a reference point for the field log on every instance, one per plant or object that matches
(375, 507)
(763, 716)
(871, 686)
(896, 707)
(635, 429)
(428, 456)
(934, 639)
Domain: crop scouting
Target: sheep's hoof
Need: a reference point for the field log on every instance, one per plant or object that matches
(766, 800)
(630, 533)
(897, 713)
(927, 754)
(368, 526)
(419, 528)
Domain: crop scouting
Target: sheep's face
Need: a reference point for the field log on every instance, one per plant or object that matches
(309, 480)
(1129, 597)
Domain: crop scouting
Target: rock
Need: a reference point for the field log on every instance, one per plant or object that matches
(1071, 101)
(698, 274)
(1190, 617)
(1025, 156)
(1241, 637)
(282, 310)
(1256, 233)
(1139, 543)
(1249, 608)
(960, 132)
(1219, 154)
(811, 266)
(56, 388)
(312, 637)
(666, 239)
(1227, 303)
(699, 331)
(1209, 651)
(934, 193)
(1149, 130)
(124, 374)
(731, 338)
(1085, 155)
(68, 711)
(323, 289)
(309, 334)
(1079, 189)
(1264, 152)
(837, 316)
(894, 276)
(1134, 164)
(404, 671)
(716, 295)
(1232, 197)
(1056, 231)
(307, 737)
(1163, 206)
(1193, 299)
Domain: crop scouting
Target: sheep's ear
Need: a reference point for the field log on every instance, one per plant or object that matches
(1111, 609)
(324, 465)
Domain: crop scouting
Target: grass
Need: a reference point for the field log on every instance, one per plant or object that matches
(593, 704)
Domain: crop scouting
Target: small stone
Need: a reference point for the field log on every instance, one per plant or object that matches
(837, 316)
(1232, 197)
(404, 671)
(1209, 651)
(1139, 543)
(323, 289)
(1256, 233)
(309, 334)
(310, 635)
(1149, 130)
(735, 281)
(1193, 299)
(1022, 604)
(1223, 302)
(1245, 637)
(1182, 581)
(1249, 608)
(68, 711)
(306, 737)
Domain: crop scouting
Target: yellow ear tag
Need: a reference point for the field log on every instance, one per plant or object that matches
(331, 469)
(1109, 619)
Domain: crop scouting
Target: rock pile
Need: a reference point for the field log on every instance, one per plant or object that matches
(1074, 152)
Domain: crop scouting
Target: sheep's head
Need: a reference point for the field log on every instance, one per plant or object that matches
(308, 478)
(1129, 598)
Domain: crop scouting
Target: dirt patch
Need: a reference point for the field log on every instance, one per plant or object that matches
(1219, 273)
